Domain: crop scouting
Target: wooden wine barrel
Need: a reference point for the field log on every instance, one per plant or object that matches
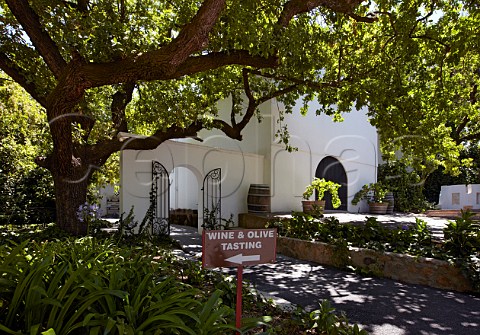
(378, 208)
(391, 202)
(258, 200)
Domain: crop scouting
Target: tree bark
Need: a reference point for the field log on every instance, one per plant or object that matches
(69, 195)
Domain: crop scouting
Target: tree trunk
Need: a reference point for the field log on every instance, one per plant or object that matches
(69, 195)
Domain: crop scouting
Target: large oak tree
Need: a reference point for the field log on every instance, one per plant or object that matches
(85, 61)
(100, 67)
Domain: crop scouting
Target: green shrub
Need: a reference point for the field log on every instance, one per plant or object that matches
(326, 321)
(26, 198)
(461, 238)
(53, 284)
(90, 286)
(462, 246)
(415, 239)
(407, 186)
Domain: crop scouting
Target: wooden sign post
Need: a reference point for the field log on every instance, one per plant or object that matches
(238, 248)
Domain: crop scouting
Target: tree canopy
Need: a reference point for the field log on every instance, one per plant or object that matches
(100, 67)
(428, 72)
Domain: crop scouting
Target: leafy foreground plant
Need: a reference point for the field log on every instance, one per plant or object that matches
(95, 286)
(462, 246)
(326, 320)
(90, 287)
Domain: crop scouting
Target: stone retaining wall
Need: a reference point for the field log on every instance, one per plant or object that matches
(405, 268)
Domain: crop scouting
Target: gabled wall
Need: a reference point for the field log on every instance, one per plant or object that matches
(257, 159)
(353, 142)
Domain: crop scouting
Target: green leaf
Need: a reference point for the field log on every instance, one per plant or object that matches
(9, 331)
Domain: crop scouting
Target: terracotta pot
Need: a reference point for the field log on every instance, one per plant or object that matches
(378, 207)
(309, 205)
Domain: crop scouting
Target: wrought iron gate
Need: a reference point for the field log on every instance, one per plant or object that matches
(212, 199)
(160, 200)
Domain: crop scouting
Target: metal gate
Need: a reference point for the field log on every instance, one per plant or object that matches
(159, 200)
(212, 199)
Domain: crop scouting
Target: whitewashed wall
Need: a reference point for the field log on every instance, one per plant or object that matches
(257, 159)
(256, 135)
(239, 170)
(458, 196)
(354, 142)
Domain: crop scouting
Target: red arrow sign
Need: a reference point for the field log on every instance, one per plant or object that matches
(231, 248)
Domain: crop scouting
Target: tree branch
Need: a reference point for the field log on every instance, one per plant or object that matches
(461, 126)
(81, 5)
(254, 103)
(147, 143)
(370, 18)
(424, 36)
(80, 76)
(194, 36)
(470, 137)
(219, 59)
(234, 130)
(30, 22)
(473, 94)
(15, 73)
(300, 82)
(120, 100)
(150, 66)
(235, 101)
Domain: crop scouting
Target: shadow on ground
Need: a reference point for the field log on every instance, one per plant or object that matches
(381, 306)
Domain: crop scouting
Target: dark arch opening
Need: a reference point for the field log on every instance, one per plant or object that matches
(330, 168)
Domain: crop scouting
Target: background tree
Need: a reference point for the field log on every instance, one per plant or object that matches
(428, 70)
(26, 190)
(427, 63)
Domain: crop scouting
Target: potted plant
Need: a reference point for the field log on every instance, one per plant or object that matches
(320, 185)
(375, 194)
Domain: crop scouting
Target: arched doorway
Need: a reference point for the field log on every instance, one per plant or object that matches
(331, 169)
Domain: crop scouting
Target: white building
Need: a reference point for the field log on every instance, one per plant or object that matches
(346, 152)
(455, 197)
